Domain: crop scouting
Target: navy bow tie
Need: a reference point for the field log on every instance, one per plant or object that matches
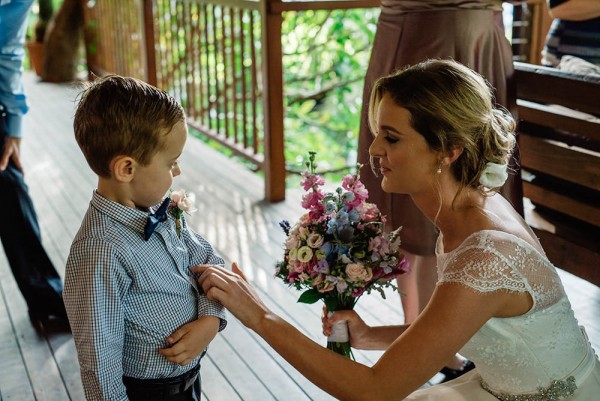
(155, 218)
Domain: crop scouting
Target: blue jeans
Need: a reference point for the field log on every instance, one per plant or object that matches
(36, 277)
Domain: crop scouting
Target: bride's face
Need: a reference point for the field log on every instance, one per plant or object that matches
(406, 162)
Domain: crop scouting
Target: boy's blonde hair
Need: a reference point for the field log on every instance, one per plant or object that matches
(123, 116)
(450, 106)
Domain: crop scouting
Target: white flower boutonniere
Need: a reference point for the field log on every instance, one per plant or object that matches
(494, 175)
(181, 202)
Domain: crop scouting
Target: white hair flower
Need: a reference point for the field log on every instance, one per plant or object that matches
(494, 175)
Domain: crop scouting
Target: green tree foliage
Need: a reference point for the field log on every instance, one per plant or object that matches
(325, 57)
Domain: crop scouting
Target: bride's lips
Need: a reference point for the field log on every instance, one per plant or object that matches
(384, 170)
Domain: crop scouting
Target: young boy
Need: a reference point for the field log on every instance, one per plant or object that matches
(128, 284)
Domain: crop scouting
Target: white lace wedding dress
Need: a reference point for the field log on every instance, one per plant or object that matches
(542, 355)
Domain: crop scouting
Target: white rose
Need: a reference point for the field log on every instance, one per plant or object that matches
(187, 203)
(305, 254)
(303, 233)
(292, 242)
(494, 175)
(293, 254)
(315, 240)
(320, 255)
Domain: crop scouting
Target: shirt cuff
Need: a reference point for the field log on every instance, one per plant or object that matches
(214, 308)
(14, 124)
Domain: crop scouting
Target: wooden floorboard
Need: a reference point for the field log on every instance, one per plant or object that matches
(232, 215)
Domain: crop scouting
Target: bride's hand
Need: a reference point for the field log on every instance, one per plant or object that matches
(358, 330)
(233, 291)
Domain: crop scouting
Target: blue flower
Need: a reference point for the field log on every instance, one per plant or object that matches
(348, 196)
(326, 248)
(331, 226)
(342, 218)
(330, 207)
(285, 225)
(354, 216)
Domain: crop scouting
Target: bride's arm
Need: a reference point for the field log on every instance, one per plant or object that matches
(453, 315)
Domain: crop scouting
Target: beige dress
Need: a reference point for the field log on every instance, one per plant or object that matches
(409, 32)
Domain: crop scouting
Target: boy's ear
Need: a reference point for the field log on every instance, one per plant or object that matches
(123, 168)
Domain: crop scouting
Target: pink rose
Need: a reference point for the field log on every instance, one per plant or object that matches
(357, 272)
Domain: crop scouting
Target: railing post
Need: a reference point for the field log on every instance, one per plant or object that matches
(274, 162)
(149, 41)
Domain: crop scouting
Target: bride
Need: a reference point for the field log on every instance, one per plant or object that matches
(498, 301)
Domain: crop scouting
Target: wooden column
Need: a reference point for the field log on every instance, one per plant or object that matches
(273, 109)
(149, 41)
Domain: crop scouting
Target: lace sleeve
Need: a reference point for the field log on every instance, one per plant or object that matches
(483, 270)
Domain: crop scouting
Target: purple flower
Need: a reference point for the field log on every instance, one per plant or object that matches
(323, 266)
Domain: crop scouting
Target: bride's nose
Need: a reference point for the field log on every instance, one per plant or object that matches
(376, 150)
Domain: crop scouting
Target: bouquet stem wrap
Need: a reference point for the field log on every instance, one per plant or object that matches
(339, 340)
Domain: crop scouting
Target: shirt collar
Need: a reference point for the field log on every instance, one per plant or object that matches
(128, 216)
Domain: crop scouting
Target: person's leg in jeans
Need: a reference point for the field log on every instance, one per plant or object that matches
(36, 277)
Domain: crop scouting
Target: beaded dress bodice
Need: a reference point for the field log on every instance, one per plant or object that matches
(519, 354)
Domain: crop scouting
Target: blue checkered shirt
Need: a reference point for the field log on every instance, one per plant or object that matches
(125, 296)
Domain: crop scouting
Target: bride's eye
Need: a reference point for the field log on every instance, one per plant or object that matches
(390, 139)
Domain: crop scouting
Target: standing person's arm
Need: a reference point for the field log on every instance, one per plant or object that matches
(95, 285)
(454, 310)
(13, 18)
(575, 10)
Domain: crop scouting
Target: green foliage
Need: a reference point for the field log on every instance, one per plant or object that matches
(325, 57)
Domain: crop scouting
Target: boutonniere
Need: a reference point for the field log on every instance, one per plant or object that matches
(181, 202)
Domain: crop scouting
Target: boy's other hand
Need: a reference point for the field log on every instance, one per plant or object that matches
(188, 341)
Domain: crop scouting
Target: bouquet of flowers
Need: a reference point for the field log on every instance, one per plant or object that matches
(338, 250)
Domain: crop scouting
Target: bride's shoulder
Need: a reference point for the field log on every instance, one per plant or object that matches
(497, 223)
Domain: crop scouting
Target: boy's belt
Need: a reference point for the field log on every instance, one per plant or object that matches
(160, 388)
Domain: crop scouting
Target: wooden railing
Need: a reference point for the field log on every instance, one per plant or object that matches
(223, 61)
(559, 142)
(221, 58)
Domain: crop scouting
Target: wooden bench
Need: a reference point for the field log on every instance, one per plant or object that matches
(559, 142)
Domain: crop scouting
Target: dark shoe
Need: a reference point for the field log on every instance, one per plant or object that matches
(49, 323)
(451, 374)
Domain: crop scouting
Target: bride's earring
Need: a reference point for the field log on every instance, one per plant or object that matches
(439, 170)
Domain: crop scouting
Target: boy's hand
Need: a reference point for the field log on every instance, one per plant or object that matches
(188, 341)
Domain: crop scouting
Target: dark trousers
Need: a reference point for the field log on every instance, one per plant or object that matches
(186, 387)
(36, 277)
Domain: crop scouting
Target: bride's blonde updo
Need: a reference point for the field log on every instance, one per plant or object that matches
(451, 106)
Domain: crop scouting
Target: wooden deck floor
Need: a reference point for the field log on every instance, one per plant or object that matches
(231, 215)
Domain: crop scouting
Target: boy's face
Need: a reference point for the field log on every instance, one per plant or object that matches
(151, 182)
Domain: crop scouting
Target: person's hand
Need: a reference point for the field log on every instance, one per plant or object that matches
(188, 341)
(358, 330)
(11, 151)
(233, 291)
